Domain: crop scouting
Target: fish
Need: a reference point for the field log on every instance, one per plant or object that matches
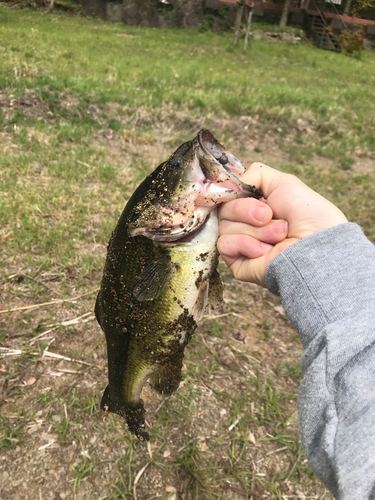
(160, 274)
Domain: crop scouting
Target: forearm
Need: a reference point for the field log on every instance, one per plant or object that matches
(327, 285)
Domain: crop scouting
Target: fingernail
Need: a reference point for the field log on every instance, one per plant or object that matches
(280, 227)
(260, 213)
(265, 246)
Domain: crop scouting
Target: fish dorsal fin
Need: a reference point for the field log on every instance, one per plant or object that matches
(149, 284)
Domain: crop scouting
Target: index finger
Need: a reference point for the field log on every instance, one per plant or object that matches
(246, 210)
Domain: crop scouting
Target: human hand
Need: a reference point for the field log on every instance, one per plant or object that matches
(253, 232)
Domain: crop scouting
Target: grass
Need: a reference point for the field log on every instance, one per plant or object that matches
(88, 109)
(327, 88)
(10, 433)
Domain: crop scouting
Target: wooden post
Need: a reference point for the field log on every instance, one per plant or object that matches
(237, 24)
(284, 15)
(247, 34)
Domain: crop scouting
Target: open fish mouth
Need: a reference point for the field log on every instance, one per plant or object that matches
(217, 172)
(210, 149)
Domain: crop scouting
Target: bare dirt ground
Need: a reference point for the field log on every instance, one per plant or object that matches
(230, 432)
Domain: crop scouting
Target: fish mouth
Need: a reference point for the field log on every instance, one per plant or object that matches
(218, 172)
(211, 147)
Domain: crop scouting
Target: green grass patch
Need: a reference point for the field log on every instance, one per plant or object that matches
(142, 66)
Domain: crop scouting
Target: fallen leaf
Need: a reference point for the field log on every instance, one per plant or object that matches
(251, 437)
(33, 428)
(30, 381)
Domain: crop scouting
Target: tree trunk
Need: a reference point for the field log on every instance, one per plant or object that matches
(347, 7)
(284, 15)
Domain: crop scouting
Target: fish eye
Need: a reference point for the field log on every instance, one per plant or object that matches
(176, 162)
(223, 159)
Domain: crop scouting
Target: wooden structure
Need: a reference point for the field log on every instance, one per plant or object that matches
(320, 31)
(243, 6)
(323, 28)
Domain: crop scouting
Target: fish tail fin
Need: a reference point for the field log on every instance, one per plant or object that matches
(167, 378)
(135, 418)
(134, 415)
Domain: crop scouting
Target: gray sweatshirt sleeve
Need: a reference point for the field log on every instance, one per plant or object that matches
(327, 286)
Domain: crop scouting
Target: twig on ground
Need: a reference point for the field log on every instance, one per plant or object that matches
(137, 478)
(5, 351)
(292, 469)
(185, 445)
(218, 316)
(74, 321)
(49, 343)
(276, 451)
(46, 445)
(253, 474)
(223, 315)
(36, 306)
(49, 354)
(161, 404)
(62, 370)
(64, 323)
(32, 341)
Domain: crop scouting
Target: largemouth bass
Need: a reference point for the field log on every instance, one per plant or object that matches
(160, 273)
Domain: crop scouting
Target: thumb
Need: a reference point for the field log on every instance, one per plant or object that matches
(267, 178)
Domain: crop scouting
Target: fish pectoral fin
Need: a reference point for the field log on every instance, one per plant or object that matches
(154, 277)
(200, 305)
(210, 296)
(215, 292)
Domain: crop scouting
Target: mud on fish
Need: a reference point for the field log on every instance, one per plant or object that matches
(160, 273)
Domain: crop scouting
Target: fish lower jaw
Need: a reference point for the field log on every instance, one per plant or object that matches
(180, 229)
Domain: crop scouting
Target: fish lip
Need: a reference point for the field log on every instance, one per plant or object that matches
(228, 174)
(234, 166)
